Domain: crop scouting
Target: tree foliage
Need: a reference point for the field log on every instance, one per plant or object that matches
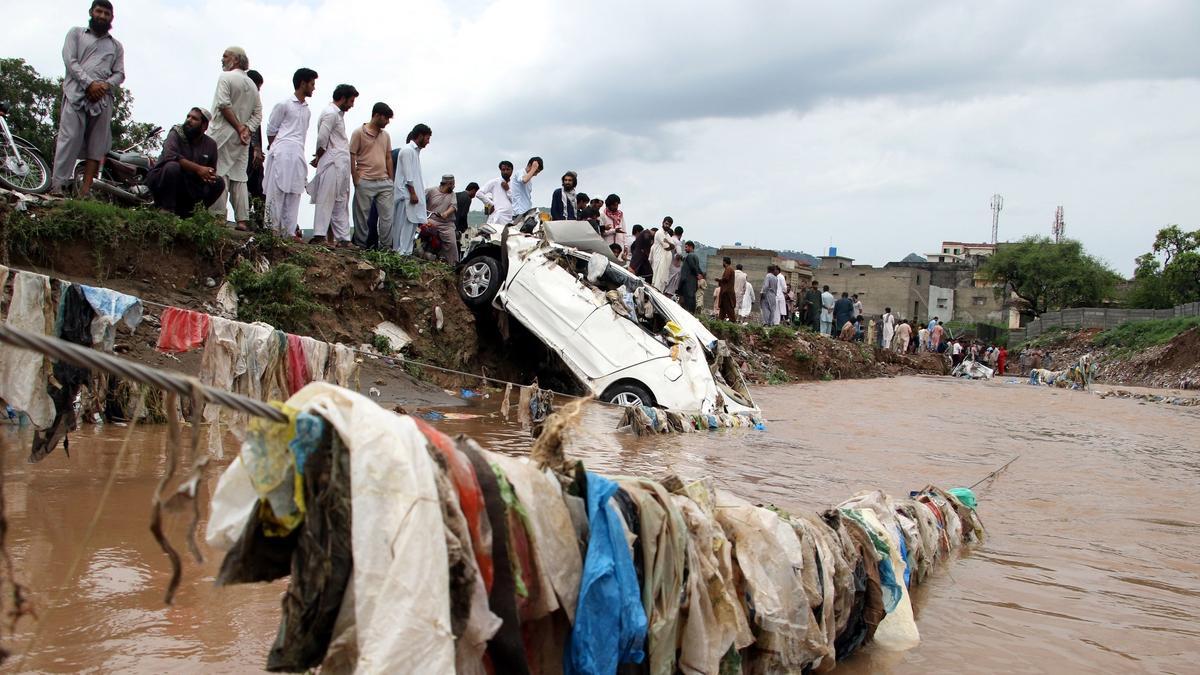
(1169, 274)
(1049, 275)
(35, 102)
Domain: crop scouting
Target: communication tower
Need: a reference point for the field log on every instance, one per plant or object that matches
(997, 204)
(1059, 225)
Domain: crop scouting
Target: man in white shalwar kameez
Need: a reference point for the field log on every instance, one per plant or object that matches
(889, 327)
(769, 309)
(411, 211)
(746, 303)
(781, 295)
(661, 253)
(330, 187)
(286, 173)
(237, 114)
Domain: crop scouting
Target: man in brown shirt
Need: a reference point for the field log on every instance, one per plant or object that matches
(186, 171)
(372, 172)
(726, 301)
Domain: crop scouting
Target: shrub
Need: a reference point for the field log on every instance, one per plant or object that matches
(278, 296)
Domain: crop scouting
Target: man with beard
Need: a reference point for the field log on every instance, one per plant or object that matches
(562, 202)
(286, 174)
(442, 207)
(330, 187)
(186, 171)
(95, 66)
(238, 115)
(496, 194)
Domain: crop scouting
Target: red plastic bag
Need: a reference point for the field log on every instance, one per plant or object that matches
(182, 330)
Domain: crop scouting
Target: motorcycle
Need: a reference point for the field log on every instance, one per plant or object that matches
(122, 174)
(22, 167)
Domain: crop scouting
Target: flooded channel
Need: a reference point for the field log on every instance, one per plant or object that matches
(1091, 563)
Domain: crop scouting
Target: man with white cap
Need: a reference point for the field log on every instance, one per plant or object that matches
(186, 171)
(238, 111)
(443, 206)
(330, 187)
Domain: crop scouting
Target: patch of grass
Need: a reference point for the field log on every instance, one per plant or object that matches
(301, 257)
(1133, 336)
(737, 333)
(278, 297)
(109, 228)
(778, 376)
(801, 356)
(403, 267)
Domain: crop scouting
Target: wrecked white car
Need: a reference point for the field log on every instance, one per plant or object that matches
(624, 341)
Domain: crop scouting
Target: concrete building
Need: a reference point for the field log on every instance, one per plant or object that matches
(960, 251)
(918, 291)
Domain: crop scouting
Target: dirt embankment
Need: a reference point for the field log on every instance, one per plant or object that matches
(337, 295)
(1172, 365)
(342, 295)
(782, 354)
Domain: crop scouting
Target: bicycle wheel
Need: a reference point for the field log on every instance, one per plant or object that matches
(24, 170)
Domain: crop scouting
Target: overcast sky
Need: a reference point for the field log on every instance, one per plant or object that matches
(882, 128)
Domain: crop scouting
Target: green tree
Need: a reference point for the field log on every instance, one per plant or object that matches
(32, 103)
(1048, 275)
(1169, 274)
(35, 103)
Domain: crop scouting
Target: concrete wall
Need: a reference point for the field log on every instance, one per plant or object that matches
(941, 302)
(1097, 317)
(905, 289)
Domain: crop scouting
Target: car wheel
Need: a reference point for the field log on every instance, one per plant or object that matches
(627, 394)
(478, 281)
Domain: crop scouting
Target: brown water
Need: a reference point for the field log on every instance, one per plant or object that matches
(1091, 562)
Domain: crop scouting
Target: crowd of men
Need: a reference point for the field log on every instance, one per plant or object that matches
(216, 158)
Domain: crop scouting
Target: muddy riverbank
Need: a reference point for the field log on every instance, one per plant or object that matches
(1090, 563)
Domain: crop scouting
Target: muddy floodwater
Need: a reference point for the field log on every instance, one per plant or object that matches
(1092, 561)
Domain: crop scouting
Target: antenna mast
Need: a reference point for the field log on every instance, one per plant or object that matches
(997, 204)
(1059, 226)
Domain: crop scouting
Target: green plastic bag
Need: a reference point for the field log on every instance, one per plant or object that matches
(965, 496)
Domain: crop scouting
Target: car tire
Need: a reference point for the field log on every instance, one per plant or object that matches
(479, 280)
(627, 394)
